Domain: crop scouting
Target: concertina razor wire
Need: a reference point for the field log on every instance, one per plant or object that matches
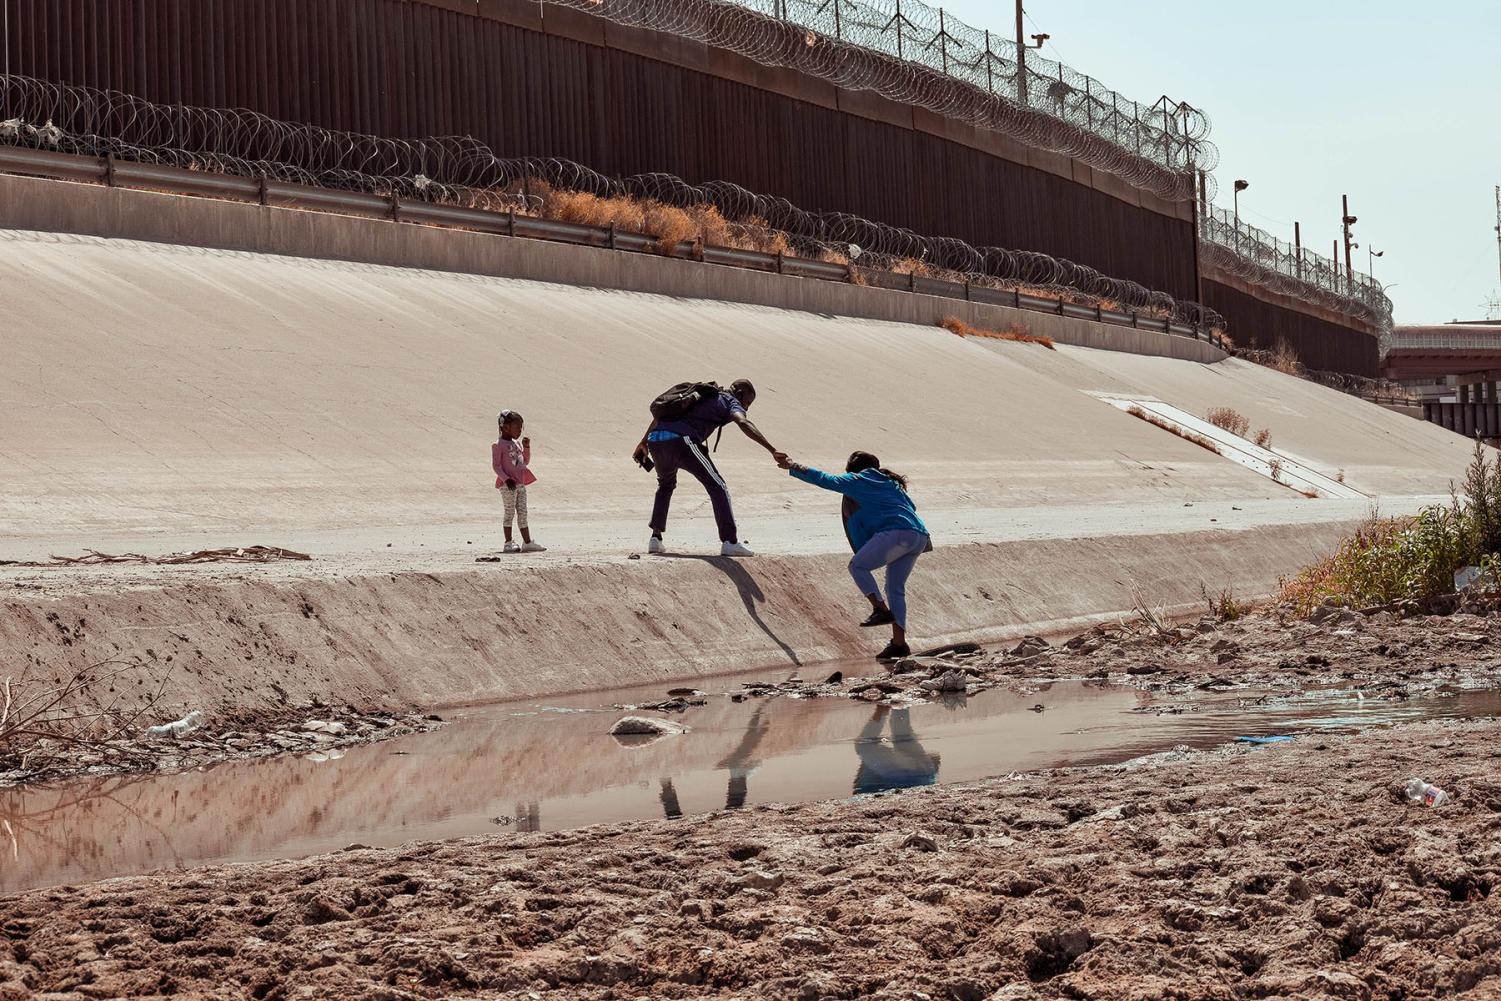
(464, 171)
(914, 54)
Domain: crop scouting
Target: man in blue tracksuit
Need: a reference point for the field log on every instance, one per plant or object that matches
(682, 443)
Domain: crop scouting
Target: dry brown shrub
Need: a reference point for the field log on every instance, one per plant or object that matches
(1284, 359)
(1276, 469)
(1015, 332)
(1226, 340)
(712, 227)
(1229, 419)
(1183, 433)
(669, 224)
(591, 210)
(1263, 438)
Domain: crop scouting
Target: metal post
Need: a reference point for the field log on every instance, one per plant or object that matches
(1021, 58)
(990, 86)
(1344, 220)
(1498, 224)
(943, 39)
(1088, 106)
(898, 21)
(838, 28)
(1197, 218)
(1298, 243)
(1334, 268)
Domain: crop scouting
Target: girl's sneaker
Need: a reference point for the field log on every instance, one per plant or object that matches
(511, 547)
(534, 547)
(894, 651)
(879, 618)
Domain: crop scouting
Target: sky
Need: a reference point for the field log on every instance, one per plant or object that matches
(1397, 104)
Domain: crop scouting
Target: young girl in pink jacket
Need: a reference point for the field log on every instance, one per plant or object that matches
(510, 458)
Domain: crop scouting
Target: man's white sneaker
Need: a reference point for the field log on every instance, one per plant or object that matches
(533, 547)
(656, 546)
(511, 547)
(735, 549)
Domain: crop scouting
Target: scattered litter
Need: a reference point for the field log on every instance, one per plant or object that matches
(92, 557)
(324, 726)
(1264, 740)
(646, 726)
(177, 728)
(1418, 791)
(837, 678)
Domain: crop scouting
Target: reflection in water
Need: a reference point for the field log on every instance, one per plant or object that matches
(900, 764)
(558, 770)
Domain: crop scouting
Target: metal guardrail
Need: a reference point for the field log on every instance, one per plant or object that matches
(115, 172)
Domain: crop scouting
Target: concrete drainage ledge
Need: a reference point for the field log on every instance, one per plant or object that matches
(52, 206)
(429, 641)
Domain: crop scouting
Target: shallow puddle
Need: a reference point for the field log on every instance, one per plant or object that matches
(552, 765)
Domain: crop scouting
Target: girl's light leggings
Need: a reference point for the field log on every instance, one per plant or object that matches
(515, 506)
(897, 551)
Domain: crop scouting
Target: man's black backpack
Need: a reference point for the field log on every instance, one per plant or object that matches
(682, 398)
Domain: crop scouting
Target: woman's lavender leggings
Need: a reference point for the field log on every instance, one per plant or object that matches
(897, 551)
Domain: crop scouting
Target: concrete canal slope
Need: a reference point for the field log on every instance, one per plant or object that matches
(163, 398)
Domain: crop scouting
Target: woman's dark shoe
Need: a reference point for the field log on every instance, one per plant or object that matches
(880, 617)
(894, 651)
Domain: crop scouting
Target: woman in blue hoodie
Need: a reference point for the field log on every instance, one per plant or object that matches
(883, 529)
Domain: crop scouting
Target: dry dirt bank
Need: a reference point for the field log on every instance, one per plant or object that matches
(1285, 871)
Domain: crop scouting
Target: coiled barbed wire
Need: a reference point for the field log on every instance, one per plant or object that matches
(919, 55)
(1256, 256)
(464, 171)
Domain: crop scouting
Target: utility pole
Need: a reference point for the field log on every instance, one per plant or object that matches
(1021, 58)
(1498, 224)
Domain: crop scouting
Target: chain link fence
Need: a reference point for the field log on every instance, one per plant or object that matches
(1256, 256)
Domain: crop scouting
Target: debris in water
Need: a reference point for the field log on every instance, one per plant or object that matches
(1264, 740)
(646, 726)
(949, 681)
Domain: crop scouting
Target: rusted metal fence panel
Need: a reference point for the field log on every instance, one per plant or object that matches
(409, 69)
(1320, 344)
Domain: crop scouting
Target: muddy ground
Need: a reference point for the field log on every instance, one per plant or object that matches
(1289, 870)
(1385, 654)
(232, 736)
(1284, 871)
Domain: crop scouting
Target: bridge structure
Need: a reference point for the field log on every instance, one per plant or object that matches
(1456, 368)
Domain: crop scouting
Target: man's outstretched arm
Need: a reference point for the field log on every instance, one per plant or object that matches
(752, 432)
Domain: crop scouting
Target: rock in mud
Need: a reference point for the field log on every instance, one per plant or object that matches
(646, 726)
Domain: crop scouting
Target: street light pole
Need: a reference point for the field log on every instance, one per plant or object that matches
(1370, 260)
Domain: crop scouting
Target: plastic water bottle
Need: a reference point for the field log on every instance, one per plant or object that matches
(1425, 793)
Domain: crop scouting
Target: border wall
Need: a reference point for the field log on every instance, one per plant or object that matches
(534, 79)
